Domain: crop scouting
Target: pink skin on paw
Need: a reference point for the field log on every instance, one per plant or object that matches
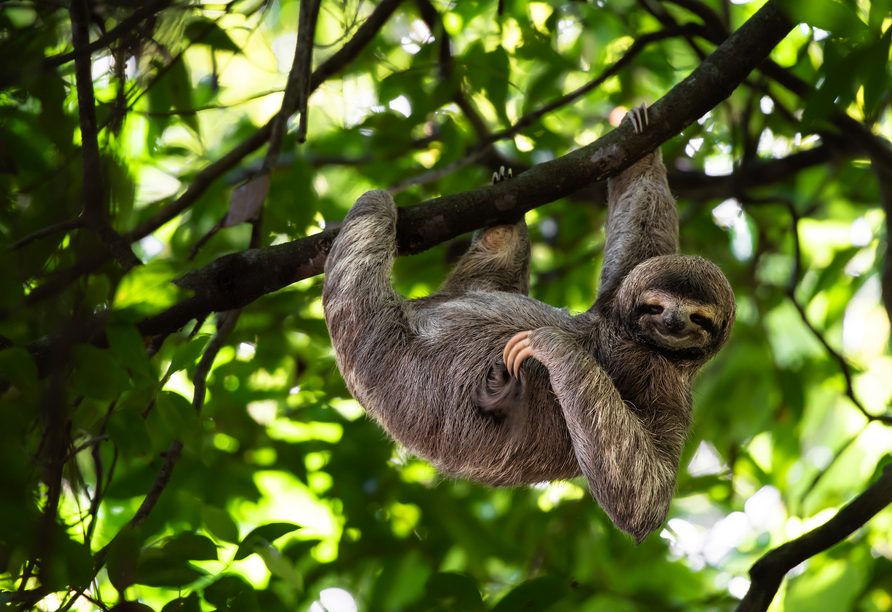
(517, 349)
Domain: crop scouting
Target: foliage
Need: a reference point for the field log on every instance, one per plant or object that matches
(278, 494)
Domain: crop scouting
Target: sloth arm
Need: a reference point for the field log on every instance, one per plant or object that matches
(641, 218)
(630, 471)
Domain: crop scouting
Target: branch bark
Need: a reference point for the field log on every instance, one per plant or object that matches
(236, 280)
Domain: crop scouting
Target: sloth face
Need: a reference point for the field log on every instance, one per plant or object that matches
(675, 322)
(679, 304)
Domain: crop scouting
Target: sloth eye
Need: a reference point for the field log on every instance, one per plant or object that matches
(699, 320)
(654, 309)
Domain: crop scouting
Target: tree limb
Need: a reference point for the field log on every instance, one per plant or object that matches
(769, 571)
(236, 280)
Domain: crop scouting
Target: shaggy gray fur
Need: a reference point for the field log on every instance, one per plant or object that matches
(608, 393)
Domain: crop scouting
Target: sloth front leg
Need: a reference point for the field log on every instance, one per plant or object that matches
(629, 471)
(363, 312)
(641, 218)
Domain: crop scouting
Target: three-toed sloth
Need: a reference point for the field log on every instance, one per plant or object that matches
(489, 384)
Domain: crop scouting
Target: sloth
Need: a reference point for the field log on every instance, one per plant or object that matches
(491, 385)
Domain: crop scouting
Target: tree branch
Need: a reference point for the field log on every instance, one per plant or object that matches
(769, 571)
(94, 214)
(111, 36)
(236, 280)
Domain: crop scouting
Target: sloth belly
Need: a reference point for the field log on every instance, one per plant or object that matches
(426, 401)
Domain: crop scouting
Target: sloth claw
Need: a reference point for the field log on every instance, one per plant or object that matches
(638, 116)
(517, 349)
(501, 175)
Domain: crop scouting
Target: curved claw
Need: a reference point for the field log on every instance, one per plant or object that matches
(501, 175)
(638, 116)
(517, 349)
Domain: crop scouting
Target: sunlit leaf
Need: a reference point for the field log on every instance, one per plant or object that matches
(190, 546)
(263, 536)
(207, 32)
(220, 523)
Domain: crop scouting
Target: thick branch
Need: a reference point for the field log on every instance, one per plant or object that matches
(238, 279)
(769, 571)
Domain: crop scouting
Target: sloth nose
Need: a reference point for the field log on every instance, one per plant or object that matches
(673, 322)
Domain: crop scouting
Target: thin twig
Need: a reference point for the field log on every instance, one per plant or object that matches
(170, 460)
(634, 49)
(303, 63)
(825, 469)
(843, 364)
(436, 174)
(225, 324)
(111, 36)
(84, 446)
(94, 216)
(63, 226)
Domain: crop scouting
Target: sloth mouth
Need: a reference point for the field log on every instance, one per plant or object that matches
(673, 340)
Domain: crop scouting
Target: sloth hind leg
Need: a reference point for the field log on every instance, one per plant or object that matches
(498, 259)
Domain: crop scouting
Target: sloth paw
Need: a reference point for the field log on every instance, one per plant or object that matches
(517, 349)
(501, 175)
(638, 117)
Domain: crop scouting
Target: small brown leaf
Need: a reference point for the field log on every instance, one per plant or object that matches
(247, 200)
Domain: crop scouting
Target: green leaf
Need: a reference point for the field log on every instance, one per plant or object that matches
(148, 288)
(827, 15)
(874, 74)
(159, 570)
(180, 84)
(489, 72)
(127, 429)
(533, 595)
(220, 523)
(449, 592)
(71, 565)
(190, 546)
(131, 606)
(187, 354)
(174, 417)
(229, 591)
(263, 536)
(204, 31)
(18, 367)
(830, 274)
(126, 344)
(123, 558)
(190, 603)
(97, 373)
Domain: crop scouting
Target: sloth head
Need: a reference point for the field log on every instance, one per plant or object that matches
(681, 305)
